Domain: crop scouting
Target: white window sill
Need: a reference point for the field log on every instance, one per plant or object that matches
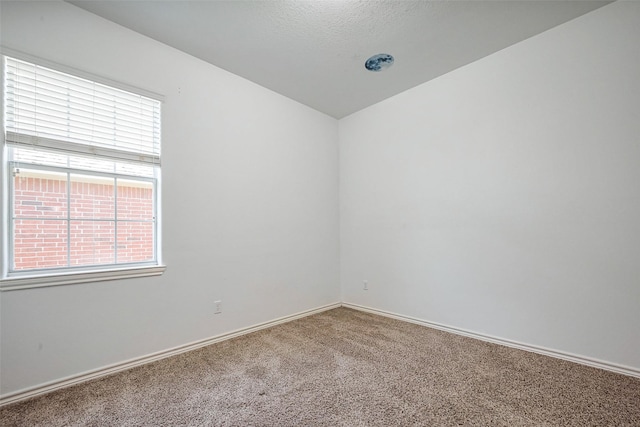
(42, 281)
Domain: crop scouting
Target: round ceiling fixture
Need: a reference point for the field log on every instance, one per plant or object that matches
(379, 62)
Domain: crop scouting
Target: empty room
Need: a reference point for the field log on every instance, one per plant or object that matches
(320, 213)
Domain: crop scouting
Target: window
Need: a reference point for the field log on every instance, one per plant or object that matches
(82, 162)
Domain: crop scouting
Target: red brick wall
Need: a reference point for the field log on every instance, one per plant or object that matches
(47, 239)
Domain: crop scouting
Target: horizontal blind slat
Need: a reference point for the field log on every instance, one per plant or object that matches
(18, 140)
(55, 78)
(29, 95)
(78, 121)
(23, 105)
(122, 139)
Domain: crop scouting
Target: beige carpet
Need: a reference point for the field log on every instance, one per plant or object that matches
(344, 368)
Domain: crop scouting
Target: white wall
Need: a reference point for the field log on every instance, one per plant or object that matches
(250, 209)
(504, 198)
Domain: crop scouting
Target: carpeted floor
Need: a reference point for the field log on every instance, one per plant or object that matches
(344, 368)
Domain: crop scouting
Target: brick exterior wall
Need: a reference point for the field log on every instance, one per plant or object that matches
(46, 238)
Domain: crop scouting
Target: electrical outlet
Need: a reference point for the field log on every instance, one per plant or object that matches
(218, 307)
(366, 286)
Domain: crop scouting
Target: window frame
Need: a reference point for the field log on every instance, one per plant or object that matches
(33, 278)
(69, 171)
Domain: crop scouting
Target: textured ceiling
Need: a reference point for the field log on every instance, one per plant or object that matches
(314, 51)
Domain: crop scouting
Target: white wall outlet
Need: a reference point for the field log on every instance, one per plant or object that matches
(366, 286)
(218, 307)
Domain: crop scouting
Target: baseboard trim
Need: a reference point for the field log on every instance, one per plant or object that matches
(595, 363)
(123, 366)
(131, 363)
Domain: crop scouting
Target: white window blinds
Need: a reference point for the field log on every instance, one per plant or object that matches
(56, 111)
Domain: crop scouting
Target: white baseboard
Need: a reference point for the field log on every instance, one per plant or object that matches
(595, 363)
(118, 367)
